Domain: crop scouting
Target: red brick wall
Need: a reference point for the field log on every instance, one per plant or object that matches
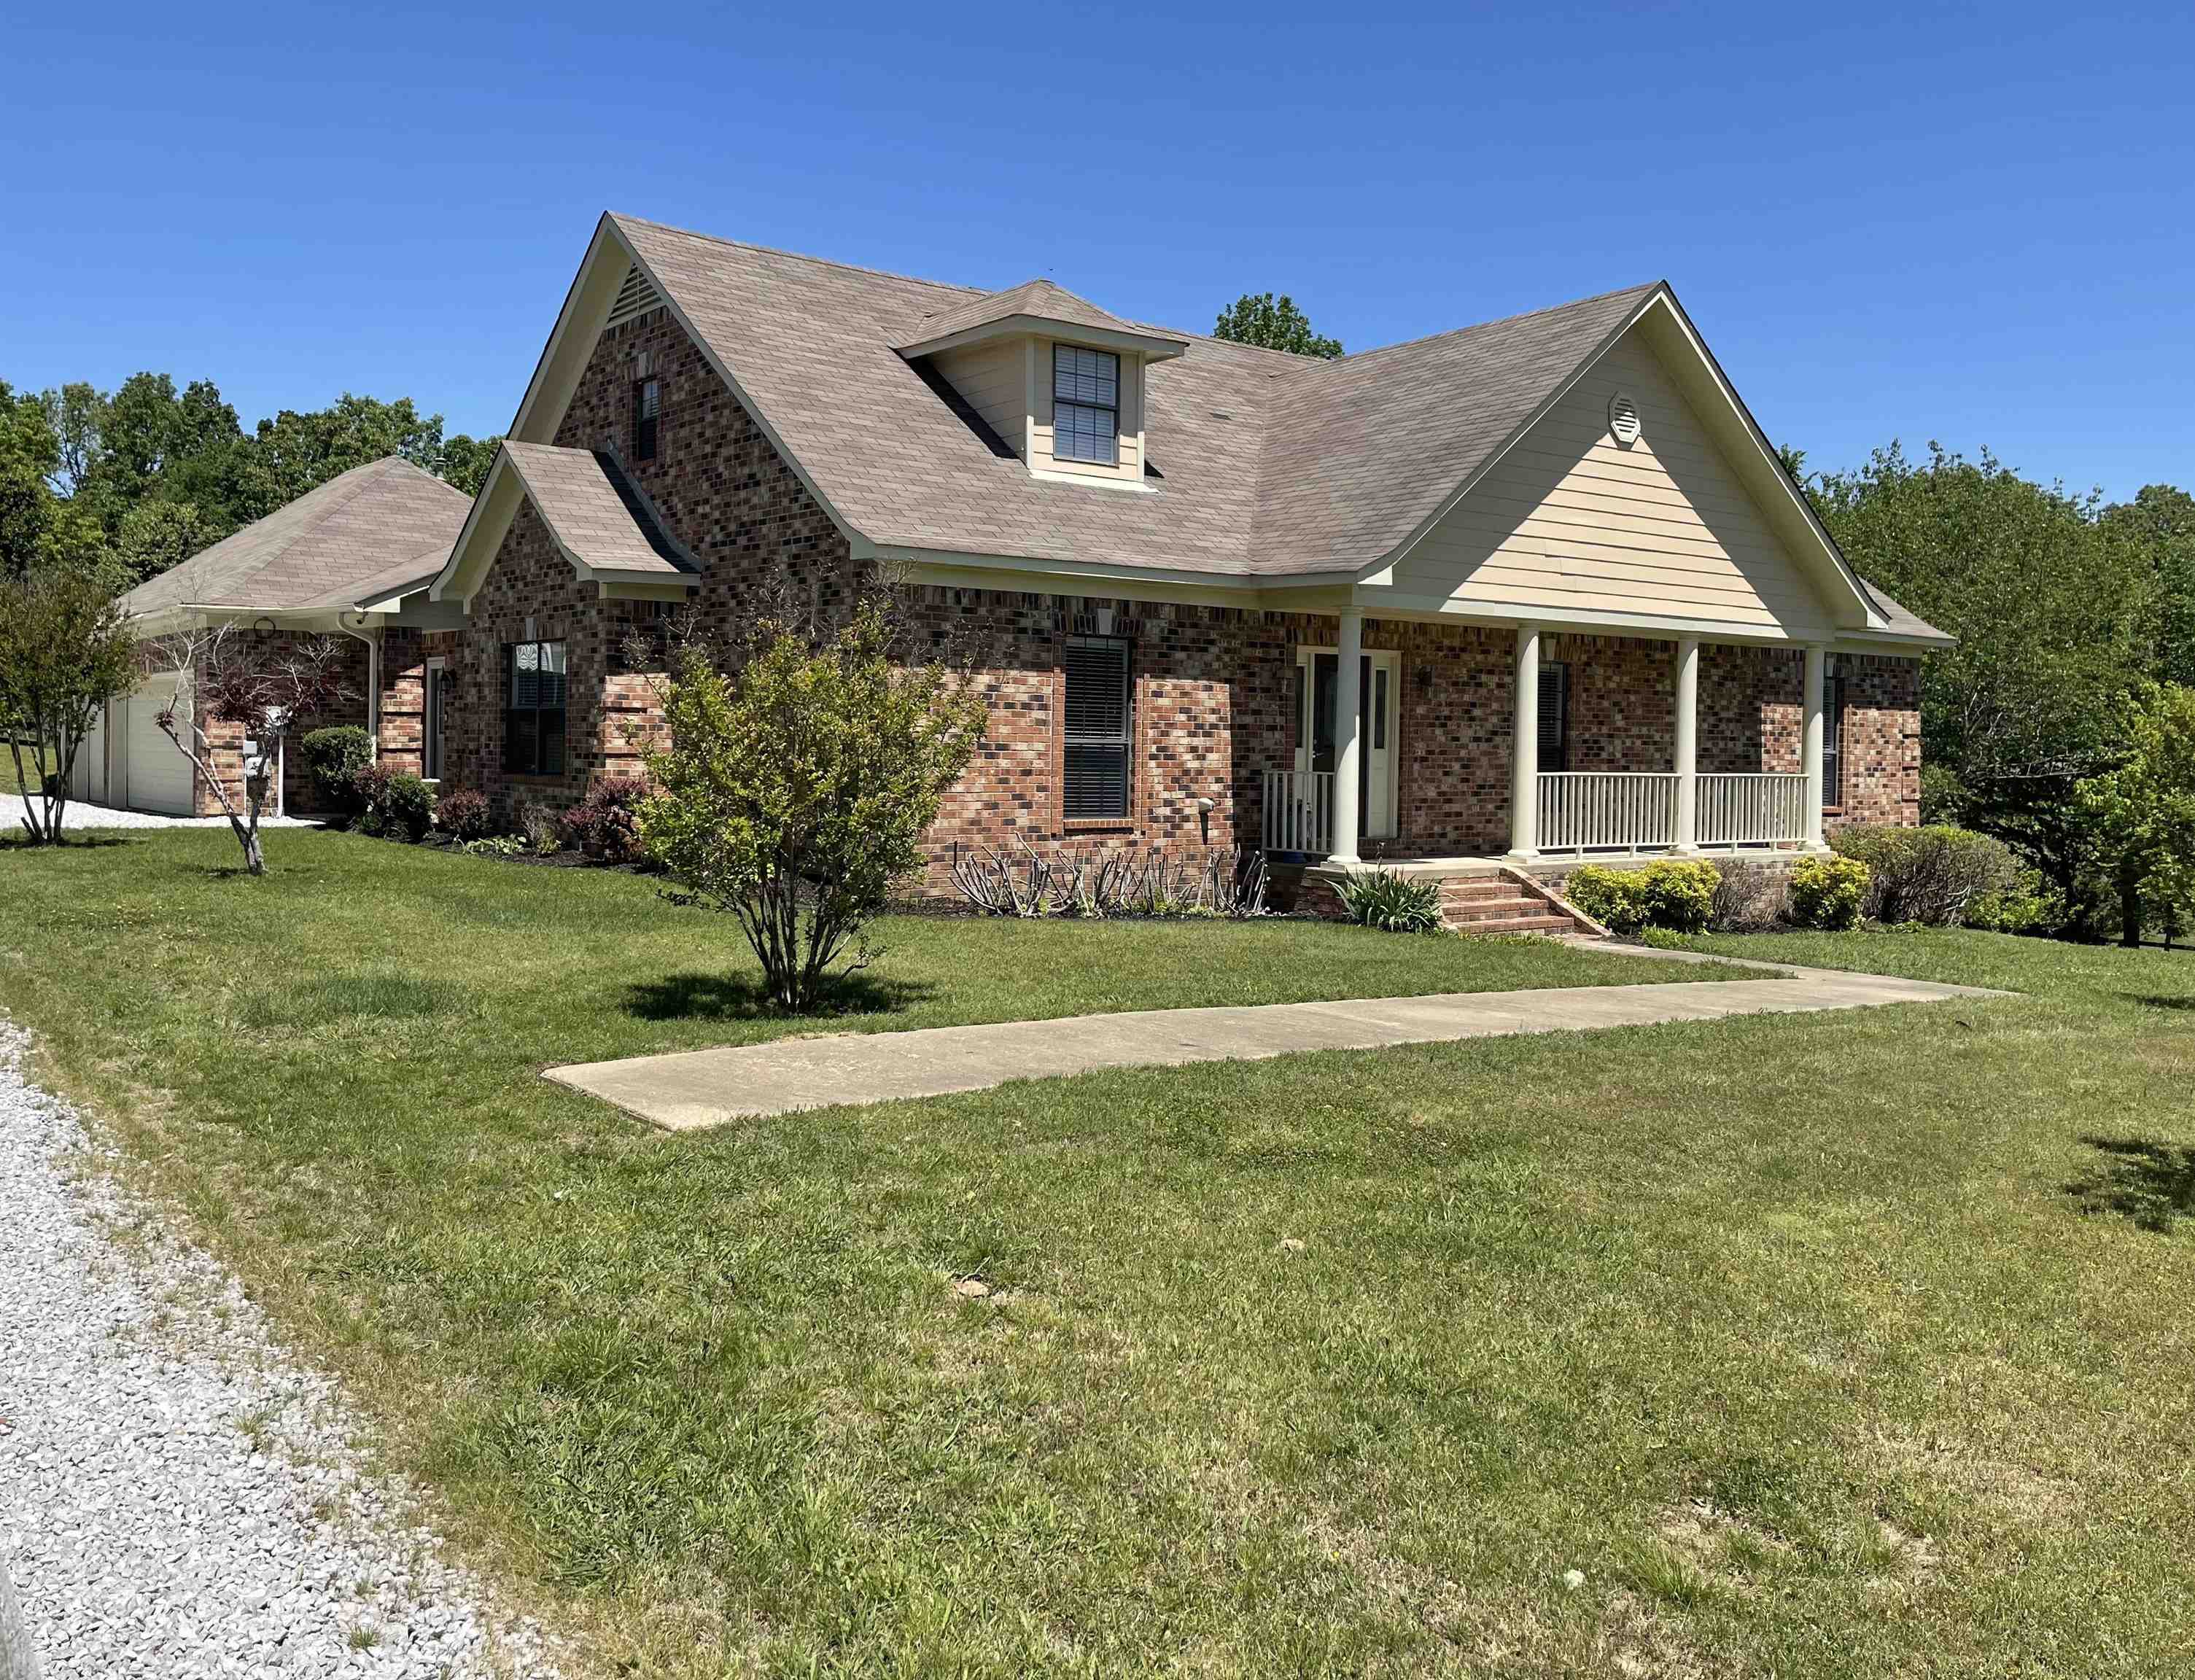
(1882, 741)
(1213, 687)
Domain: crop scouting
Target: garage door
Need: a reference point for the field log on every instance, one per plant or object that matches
(157, 777)
(91, 780)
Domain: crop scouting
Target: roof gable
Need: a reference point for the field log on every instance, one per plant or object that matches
(599, 520)
(1266, 467)
(337, 546)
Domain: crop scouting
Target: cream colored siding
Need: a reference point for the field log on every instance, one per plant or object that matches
(1571, 520)
(1131, 465)
(991, 377)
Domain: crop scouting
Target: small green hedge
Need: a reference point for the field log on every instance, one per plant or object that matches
(1827, 892)
(1399, 904)
(333, 760)
(1665, 894)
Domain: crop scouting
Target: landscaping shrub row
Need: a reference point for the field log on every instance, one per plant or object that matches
(378, 799)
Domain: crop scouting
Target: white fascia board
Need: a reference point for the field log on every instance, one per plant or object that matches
(1149, 346)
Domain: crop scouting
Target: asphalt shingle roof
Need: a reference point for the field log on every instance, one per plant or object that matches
(1268, 465)
(350, 540)
(591, 507)
(1037, 299)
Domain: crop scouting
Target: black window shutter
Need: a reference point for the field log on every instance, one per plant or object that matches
(1554, 718)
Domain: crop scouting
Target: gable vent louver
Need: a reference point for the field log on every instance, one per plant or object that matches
(635, 298)
(1623, 419)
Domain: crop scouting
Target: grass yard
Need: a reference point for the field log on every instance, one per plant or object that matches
(1827, 1345)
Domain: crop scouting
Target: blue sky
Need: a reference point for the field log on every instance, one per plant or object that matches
(1976, 225)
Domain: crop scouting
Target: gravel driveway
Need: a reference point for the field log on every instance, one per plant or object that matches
(179, 1495)
(75, 816)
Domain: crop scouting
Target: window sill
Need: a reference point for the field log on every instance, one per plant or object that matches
(1097, 825)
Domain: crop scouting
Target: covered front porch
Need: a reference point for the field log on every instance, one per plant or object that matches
(1603, 751)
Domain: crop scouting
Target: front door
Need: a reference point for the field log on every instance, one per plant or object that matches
(1318, 674)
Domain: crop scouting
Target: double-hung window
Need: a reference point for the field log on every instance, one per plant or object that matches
(1098, 769)
(1085, 405)
(534, 709)
(647, 412)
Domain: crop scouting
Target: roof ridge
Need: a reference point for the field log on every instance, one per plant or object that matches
(1501, 320)
(805, 257)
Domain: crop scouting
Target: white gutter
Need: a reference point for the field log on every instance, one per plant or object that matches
(372, 678)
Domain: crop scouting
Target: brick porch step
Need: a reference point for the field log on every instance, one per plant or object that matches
(1495, 904)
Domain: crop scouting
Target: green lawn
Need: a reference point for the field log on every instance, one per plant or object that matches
(1821, 1346)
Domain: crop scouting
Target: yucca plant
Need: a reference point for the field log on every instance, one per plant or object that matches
(1399, 904)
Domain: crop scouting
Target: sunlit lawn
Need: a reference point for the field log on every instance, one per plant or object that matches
(1821, 1345)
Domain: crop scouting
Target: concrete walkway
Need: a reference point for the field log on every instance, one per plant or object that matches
(696, 1089)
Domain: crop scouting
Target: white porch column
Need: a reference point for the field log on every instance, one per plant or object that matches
(1817, 663)
(1524, 749)
(1688, 744)
(1348, 725)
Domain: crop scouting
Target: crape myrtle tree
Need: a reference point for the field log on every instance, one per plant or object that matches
(221, 677)
(66, 650)
(804, 761)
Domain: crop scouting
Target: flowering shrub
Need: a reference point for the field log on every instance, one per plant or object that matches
(606, 824)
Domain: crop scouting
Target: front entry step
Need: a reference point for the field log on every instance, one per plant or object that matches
(1503, 904)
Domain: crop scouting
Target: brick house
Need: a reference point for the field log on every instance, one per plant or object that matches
(1525, 593)
(350, 559)
(1533, 590)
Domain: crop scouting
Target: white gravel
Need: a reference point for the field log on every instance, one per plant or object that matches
(179, 1495)
(75, 816)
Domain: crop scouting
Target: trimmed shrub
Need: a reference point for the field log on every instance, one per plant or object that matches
(333, 760)
(1931, 875)
(606, 824)
(1614, 898)
(1670, 892)
(462, 814)
(2027, 906)
(396, 804)
(1398, 904)
(1827, 893)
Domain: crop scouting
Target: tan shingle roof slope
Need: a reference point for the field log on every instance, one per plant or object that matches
(1038, 299)
(346, 542)
(591, 507)
(1268, 464)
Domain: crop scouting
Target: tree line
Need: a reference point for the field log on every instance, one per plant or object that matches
(136, 480)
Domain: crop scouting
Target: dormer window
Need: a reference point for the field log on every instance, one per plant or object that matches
(1085, 405)
(647, 410)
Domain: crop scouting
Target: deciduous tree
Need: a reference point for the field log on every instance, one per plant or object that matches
(1259, 318)
(223, 676)
(2145, 810)
(798, 782)
(66, 650)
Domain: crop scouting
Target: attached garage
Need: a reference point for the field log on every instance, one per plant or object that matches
(152, 775)
(129, 762)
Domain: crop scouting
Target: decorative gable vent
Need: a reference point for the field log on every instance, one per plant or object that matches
(635, 298)
(1623, 419)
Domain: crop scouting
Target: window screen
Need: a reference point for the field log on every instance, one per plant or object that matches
(1554, 718)
(1097, 771)
(1085, 405)
(534, 709)
(647, 411)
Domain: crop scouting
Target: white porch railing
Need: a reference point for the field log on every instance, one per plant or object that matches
(1616, 810)
(1752, 810)
(1298, 815)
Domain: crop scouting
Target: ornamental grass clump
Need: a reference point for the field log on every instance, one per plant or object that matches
(1397, 904)
(797, 787)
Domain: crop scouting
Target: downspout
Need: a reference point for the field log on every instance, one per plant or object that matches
(372, 679)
